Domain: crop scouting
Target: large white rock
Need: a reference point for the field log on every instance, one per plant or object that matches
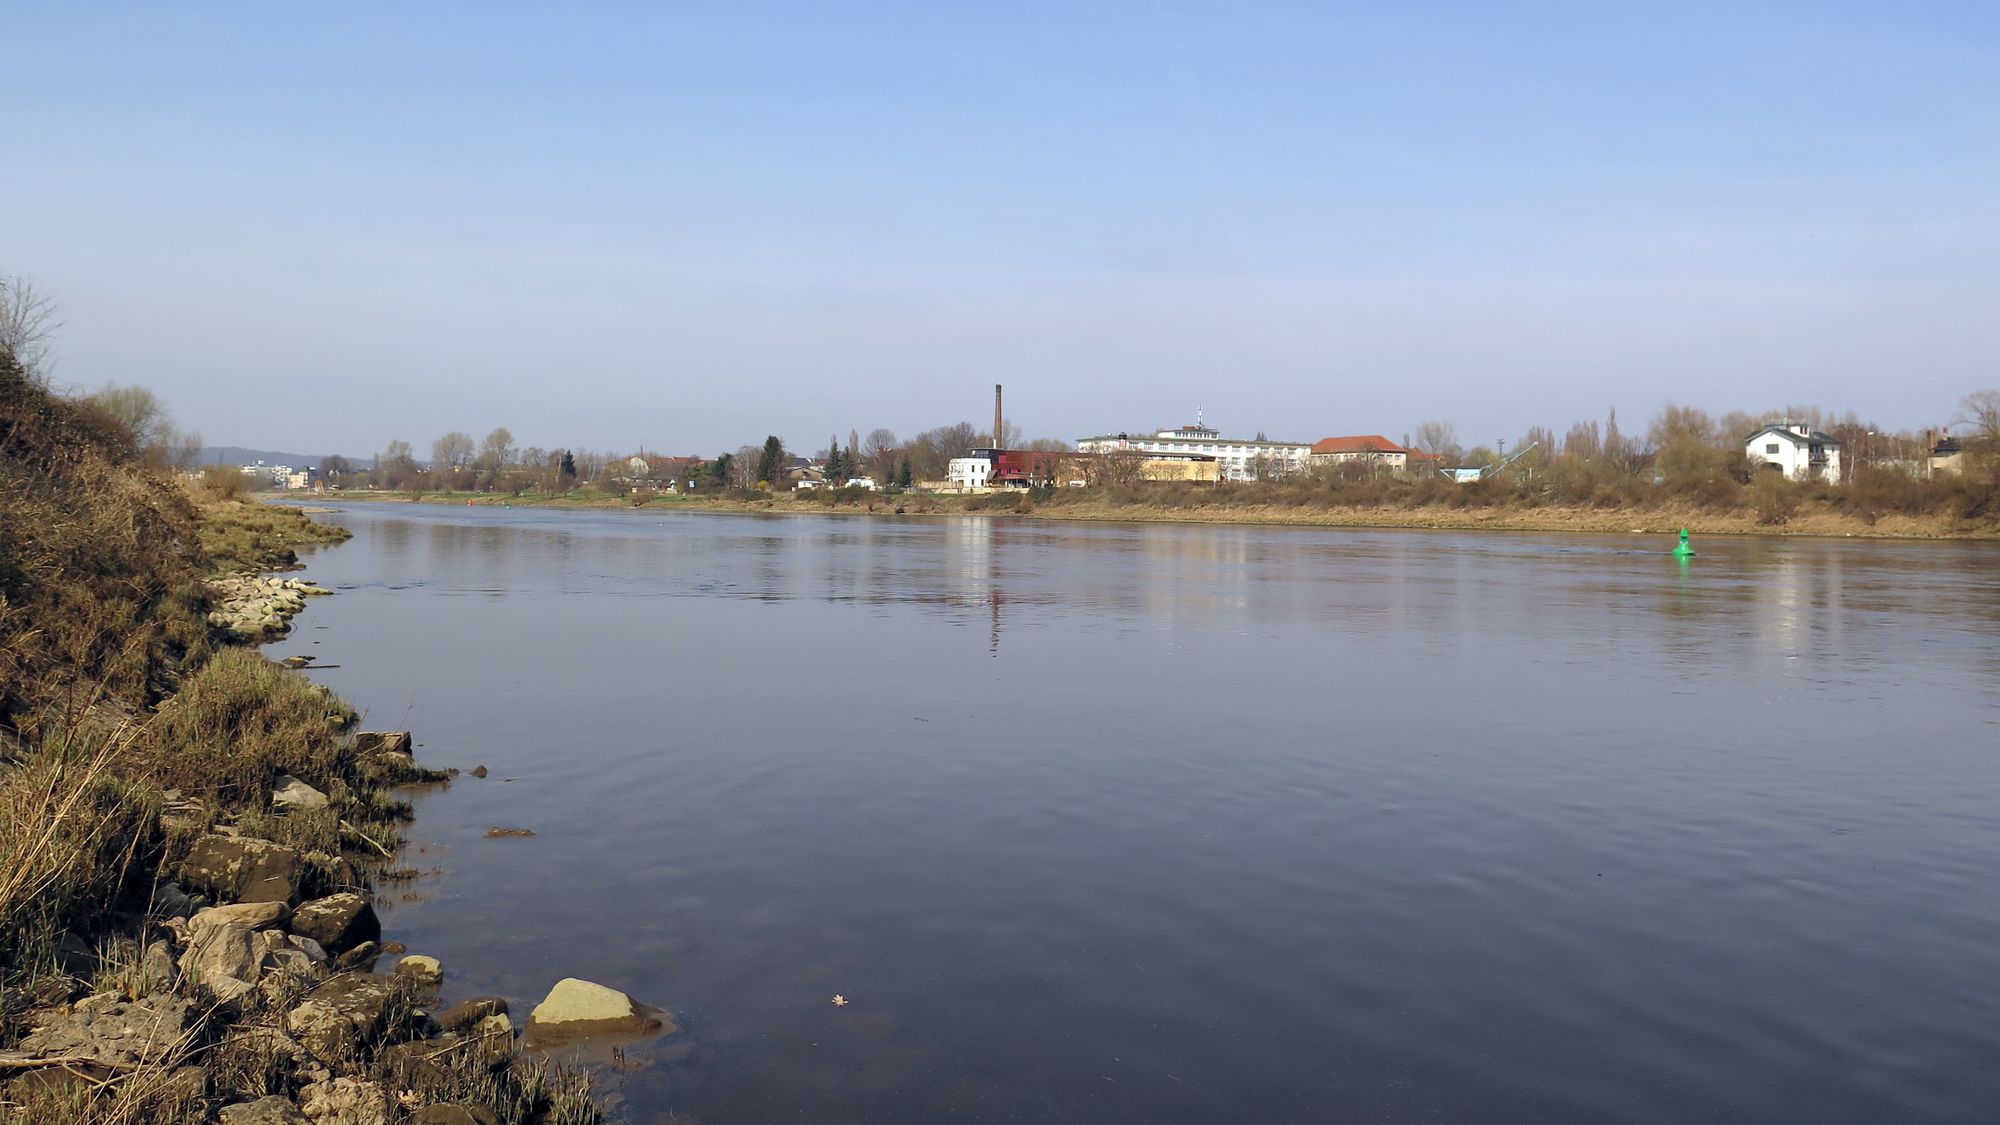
(579, 1007)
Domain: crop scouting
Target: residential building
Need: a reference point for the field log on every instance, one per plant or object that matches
(969, 473)
(1236, 458)
(1361, 449)
(1949, 454)
(1796, 450)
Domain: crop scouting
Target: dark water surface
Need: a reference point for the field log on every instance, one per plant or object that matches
(1107, 823)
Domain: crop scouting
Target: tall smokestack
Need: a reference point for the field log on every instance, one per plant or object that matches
(997, 420)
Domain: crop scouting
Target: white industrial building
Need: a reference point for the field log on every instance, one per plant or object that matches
(1238, 458)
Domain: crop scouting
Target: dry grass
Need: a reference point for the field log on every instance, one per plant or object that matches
(238, 534)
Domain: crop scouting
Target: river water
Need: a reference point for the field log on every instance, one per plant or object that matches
(1116, 823)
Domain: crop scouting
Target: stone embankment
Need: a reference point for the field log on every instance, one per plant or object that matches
(259, 990)
(252, 607)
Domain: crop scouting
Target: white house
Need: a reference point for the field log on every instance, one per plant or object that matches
(1796, 450)
(1237, 458)
(968, 473)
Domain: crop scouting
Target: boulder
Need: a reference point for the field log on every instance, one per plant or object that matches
(345, 1101)
(346, 1011)
(424, 972)
(495, 1036)
(251, 915)
(169, 901)
(109, 1027)
(224, 957)
(361, 957)
(273, 1110)
(337, 922)
(263, 1049)
(243, 869)
(579, 1007)
(462, 1015)
(291, 793)
(381, 742)
(157, 966)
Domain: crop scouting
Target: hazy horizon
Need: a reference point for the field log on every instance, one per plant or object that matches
(684, 230)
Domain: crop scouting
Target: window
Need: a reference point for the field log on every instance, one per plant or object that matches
(1771, 448)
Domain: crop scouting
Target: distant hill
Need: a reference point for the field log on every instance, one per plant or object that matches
(237, 455)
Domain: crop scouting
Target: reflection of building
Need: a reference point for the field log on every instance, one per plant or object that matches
(1796, 450)
(1237, 458)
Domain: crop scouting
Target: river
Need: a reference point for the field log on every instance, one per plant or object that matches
(1155, 823)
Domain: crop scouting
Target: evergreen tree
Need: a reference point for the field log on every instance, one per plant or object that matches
(569, 465)
(903, 478)
(772, 463)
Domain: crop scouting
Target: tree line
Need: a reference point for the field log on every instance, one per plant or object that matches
(495, 464)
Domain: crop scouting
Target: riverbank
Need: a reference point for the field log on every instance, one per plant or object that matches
(191, 835)
(1818, 520)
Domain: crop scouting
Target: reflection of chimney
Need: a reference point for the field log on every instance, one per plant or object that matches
(996, 416)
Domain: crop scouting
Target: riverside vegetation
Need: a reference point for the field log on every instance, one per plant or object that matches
(1566, 495)
(189, 832)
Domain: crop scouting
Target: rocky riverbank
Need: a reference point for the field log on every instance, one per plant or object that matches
(256, 607)
(191, 836)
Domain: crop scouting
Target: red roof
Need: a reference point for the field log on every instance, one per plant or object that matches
(1363, 443)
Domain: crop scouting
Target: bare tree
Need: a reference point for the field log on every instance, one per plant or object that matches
(496, 453)
(450, 454)
(135, 408)
(743, 466)
(955, 440)
(1583, 442)
(187, 451)
(1115, 469)
(1982, 410)
(878, 452)
(1440, 438)
(27, 322)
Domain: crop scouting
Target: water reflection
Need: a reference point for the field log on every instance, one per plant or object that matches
(1237, 823)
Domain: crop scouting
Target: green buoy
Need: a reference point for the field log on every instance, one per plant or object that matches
(1684, 551)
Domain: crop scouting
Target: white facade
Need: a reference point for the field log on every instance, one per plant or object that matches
(968, 472)
(1795, 449)
(1237, 458)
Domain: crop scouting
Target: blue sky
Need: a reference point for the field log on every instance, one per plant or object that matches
(687, 226)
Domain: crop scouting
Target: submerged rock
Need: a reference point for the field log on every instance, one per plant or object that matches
(579, 1007)
(466, 1013)
(424, 972)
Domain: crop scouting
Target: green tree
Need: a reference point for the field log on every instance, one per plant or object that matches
(568, 468)
(771, 464)
(903, 476)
